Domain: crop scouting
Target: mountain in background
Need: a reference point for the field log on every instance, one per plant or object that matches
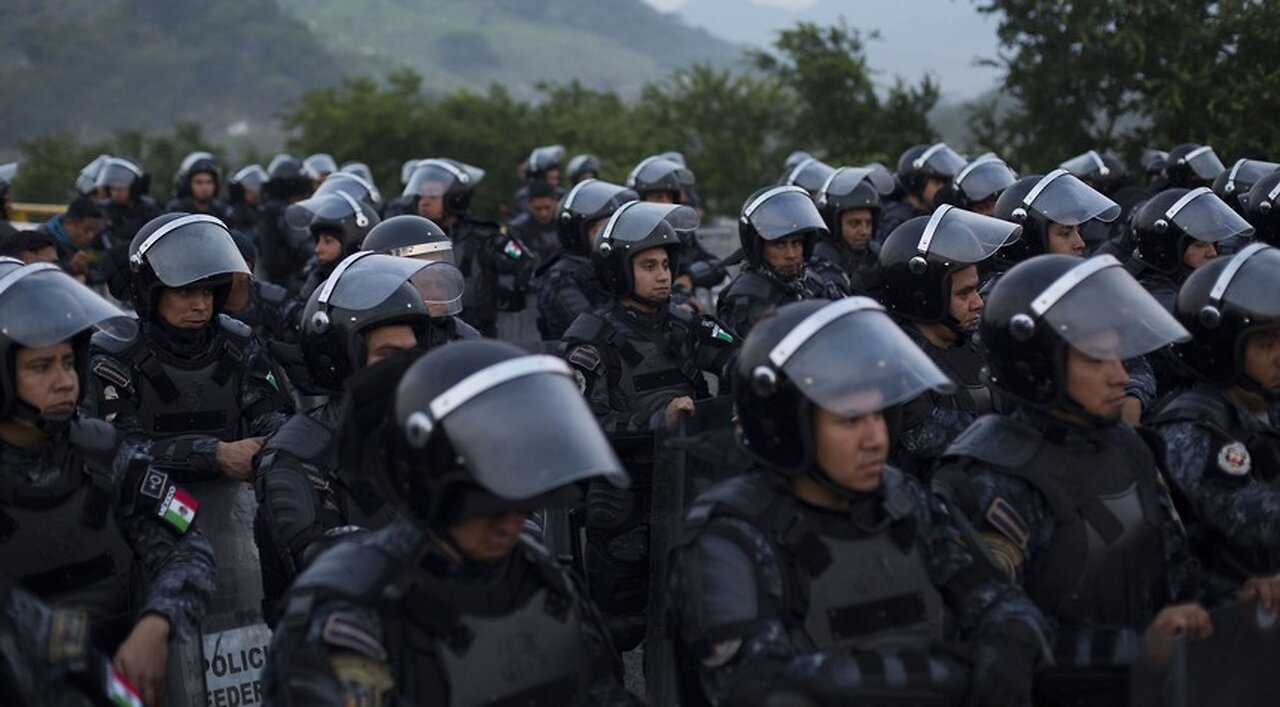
(91, 66)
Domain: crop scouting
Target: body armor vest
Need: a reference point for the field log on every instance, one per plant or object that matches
(963, 364)
(568, 270)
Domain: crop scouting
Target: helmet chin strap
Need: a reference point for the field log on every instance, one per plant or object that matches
(1069, 405)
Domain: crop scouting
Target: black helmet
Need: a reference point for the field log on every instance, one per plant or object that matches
(581, 166)
(1154, 161)
(285, 179)
(353, 184)
(773, 213)
(441, 456)
(87, 179)
(982, 180)
(1058, 197)
(41, 305)
(410, 236)
(634, 228)
(542, 160)
(364, 291)
(1233, 185)
(1191, 165)
(335, 212)
(180, 249)
(192, 164)
(809, 175)
(919, 257)
(658, 173)
(1047, 302)
(589, 201)
(919, 164)
(453, 180)
(318, 166)
(851, 188)
(1221, 304)
(847, 357)
(1168, 222)
(1262, 208)
(249, 178)
(121, 172)
(1100, 171)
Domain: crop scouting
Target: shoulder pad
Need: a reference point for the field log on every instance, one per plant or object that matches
(103, 342)
(302, 436)
(465, 330)
(235, 327)
(1195, 405)
(899, 497)
(586, 328)
(356, 569)
(92, 435)
(112, 371)
(749, 284)
(271, 292)
(998, 440)
(747, 496)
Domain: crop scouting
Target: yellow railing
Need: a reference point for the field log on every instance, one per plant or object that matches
(34, 213)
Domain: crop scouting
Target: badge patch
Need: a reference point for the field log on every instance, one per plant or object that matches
(345, 630)
(1233, 459)
(585, 357)
(178, 509)
(1005, 519)
(68, 635)
(153, 484)
(512, 250)
(111, 373)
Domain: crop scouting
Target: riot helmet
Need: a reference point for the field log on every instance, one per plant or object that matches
(982, 181)
(1154, 161)
(87, 179)
(122, 173)
(542, 161)
(847, 357)
(847, 189)
(441, 456)
(406, 170)
(809, 175)
(919, 164)
(1191, 165)
(193, 164)
(1048, 302)
(355, 185)
(1222, 304)
(587, 203)
(451, 180)
(775, 213)
(40, 305)
(358, 168)
(1262, 208)
(634, 228)
(1100, 171)
(659, 174)
(919, 257)
(318, 167)
(410, 236)
(795, 158)
(178, 250)
(583, 167)
(365, 290)
(335, 213)
(251, 178)
(1233, 185)
(285, 179)
(1036, 201)
(1169, 221)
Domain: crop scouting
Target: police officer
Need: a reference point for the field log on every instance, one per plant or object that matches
(583, 167)
(338, 224)
(454, 606)
(567, 284)
(639, 361)
(368, 311)
(128, 206)
(244, 199)
(977, 187)
(809, 174)
(778, 229)
(84, 515)
(283, 250)
(1262, 209)
(497, 268)
(929, 279)
(1223, 447)
(664, 179)
(317, 167)
(1068, 497)
(1191, 165)
(1233, 185)
(535, 227)
(541, 166)
(850, 205)
(823, 575)
(923, 172)
(196, 184)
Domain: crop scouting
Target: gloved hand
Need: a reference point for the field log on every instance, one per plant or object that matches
(1004, 663)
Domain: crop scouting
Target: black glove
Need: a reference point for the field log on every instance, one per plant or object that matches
(1004, 663)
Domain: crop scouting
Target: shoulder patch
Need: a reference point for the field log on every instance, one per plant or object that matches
(112, 372)
(714, 331)
(1001, 516)
(154, 483)
(585, 357)
(1233, 460)
(68, 635)
(344, 629)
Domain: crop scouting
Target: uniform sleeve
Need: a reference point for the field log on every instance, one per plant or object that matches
(289, 509)
(566, 296)
(591, 369)
(927, 428)
(263, 400)
(1142, 381)
(1010, 516)
(334, 658)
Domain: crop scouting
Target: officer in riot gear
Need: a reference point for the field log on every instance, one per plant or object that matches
(849, 202)
(778, 229)
(929, 278)
(1233, 185)
(497, 268)
(377, 619)
(338, 223)
(284, 250)
(125, 209)
(244, 199)
(808, 174)
(368, 311)
(87, 178)
(355, 185)
(317, 167)
(86, 515)
(665, 179)
(1223, 447)
(923, 172)
(1154, 160)
(196, 185)
(769, 582)
(567, 284)
(542, 165)
(1262, 209)
(1191, 165)
(639, 361)
(583, 167)
(660, 180)
(1068, 497)
(410, 236)
(535, 227)
(977, 187)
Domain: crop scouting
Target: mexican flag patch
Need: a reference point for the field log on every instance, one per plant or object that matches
(513, 250)
(178, 509)
(119, 692)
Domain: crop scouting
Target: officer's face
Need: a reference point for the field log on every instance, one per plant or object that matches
(119, 195)
(1097, 384)
(1198, 253)
(552, 176)
(855, 228)
(252, 197)
(431, 206)
(185, 308)
(1065, 240)
(382, 342)
(931, 189)
(659, 197)
(202, 186)
(986, 208)
(488, 538)
(328, 249)
(851, 451)
(785, 256)
(542, 210)
(47, 380)
(1261, 359)
(966, 303)
(651, 270)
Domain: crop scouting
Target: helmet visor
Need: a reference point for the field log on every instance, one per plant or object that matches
(783, 211)
(657, 170)
(1062, 198)
(809, 175)
(190, 249)
(319, 165)
(441, 286)
(1248, 282)
(544, 158)
(1099, 308)
(117, 173)
(843, 181)
(637, 220)
(940, 159)
(1205, 162)
(1203, 216)
(252, 177)
(40, 305)
(364, 279)
(964, 236)
(1245, 173)
(332, 207)
(851, 359)
(354, 184)
(87, 180)
(985, 179)
(590, 197)
(516, 455)
(1085, 166)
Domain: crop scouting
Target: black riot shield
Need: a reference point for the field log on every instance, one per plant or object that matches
(701, 453)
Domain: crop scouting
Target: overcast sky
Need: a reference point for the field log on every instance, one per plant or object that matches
(916, 36)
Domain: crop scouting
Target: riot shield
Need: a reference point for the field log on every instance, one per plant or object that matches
(701, 453)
